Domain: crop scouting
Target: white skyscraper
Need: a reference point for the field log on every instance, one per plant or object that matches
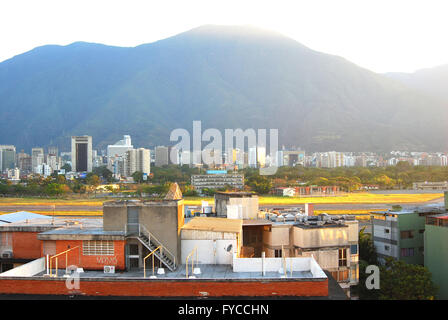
(137, 160)
(252, 157)
(119, 148)
(261, 157)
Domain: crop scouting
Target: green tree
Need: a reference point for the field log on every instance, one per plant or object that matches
(54, 189)
(259, 184)
(367, 251)
(403, 281)
(367, 256)
(138, 176)
(104, 173)
(67, 167)
(93, 180)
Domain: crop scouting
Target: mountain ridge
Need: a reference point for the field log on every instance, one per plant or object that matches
(226, 77)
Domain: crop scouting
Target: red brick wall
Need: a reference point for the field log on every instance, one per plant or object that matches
(156, 288)
(25, 245)
(75, 257)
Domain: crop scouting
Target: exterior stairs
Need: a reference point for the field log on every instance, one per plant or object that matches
(151, 243)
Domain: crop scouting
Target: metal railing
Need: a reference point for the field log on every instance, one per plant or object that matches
(144, 261)
(141, 230)
(195, 249)
(66, 260)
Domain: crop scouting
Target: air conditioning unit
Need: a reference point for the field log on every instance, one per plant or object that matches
(7, 254)
(109, 269)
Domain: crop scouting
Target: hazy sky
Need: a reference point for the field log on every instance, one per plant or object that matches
(391, 35)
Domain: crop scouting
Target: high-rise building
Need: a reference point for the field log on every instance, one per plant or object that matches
(174, 155)
(185, 157)
(261, 157)
(252, 157)
(24, 162)
(7, 157)
(293, 158)
(53, 161)
(82, 154)
(43, 169)
(161, 153)
(37, 157)
(137, 160)
(53, 151)
(119, 148)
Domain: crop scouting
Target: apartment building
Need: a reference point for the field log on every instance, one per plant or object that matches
(217, 180)
(436, 251)
(137, 160)
(400, 234)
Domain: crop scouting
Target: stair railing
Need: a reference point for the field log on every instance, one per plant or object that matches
(151, 238)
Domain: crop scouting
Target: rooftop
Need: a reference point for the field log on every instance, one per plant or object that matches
(139, 203)
(239, 194)
(214, 224)
(81, 233)
(20, 216)
(208, 271)
(256, 222)
(48, 223)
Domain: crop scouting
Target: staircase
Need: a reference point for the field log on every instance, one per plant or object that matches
(139, 232)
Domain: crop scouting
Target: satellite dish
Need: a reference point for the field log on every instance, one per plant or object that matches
(229, 247)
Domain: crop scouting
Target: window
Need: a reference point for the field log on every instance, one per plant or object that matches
(407, 234)
(407, 252)
(342, 257)
(421, 230)
(386, 230)
(387, 248)
(98, 248)
(278, 253)
(340, 275)
(354, 249)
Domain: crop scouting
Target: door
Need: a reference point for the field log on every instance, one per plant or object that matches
(132, 220)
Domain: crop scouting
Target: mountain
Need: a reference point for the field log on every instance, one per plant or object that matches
(227, 77)
(431, 81)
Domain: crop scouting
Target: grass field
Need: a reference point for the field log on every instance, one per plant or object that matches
(355, 198)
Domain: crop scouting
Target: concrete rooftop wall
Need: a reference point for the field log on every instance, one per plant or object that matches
(275, 264)
(26, 270)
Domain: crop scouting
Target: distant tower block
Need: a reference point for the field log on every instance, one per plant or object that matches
(82, 153)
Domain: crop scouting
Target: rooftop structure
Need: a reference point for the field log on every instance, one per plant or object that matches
(242, 205)
(331, 239)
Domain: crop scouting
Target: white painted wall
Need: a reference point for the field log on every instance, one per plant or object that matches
(234, 211)
(26, 270)
(275, 264)
(209, 251)
(316, 270)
